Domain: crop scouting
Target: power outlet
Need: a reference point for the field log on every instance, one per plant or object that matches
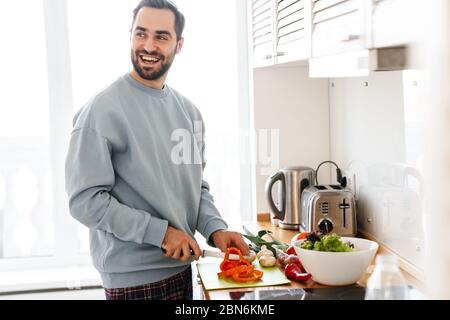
(351, 182)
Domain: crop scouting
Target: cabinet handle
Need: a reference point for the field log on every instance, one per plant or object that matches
(280, 54)
(350, 37)
(269, 56)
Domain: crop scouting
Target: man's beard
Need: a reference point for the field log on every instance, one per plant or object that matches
(153, 74)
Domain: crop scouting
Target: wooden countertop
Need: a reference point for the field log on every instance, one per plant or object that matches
(286, 236)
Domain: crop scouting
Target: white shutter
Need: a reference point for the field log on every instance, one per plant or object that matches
(291, 30)
(263, 31)
(338, 26)
(291, 20)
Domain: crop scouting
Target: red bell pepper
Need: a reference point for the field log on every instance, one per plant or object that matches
(293, 272)
(291, 250)
(229, 264)
(294, 259)
(239, 270)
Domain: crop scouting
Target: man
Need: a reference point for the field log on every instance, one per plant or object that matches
(141, 206)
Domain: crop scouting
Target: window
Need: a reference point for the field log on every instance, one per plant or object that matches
(99, 44)
(63, 53)
(205, 72)
(26, 219)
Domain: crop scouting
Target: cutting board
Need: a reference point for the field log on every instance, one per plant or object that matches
(208, 273)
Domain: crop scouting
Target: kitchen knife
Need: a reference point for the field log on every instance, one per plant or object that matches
(217, 254)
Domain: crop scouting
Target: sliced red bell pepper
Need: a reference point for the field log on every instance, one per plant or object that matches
(230, 272)
(256, 275)
(229, 264)
(239, 270)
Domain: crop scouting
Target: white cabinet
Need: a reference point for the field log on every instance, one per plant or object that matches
(351, 38)
(280, 31)
(396, 22)
(341, 38)
(263, 27)
(338, 26)
(292, 30)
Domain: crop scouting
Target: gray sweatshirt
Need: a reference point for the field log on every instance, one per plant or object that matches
(132, 170)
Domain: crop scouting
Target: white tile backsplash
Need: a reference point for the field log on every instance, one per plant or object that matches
(377, 133)
(288, 101)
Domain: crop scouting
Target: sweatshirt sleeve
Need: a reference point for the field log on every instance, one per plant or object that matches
(89, 181)
(209, 218)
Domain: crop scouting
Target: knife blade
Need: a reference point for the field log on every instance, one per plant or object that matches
(217, 254)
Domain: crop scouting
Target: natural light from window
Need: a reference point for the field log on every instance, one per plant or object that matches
(205, 72)
(32, 226)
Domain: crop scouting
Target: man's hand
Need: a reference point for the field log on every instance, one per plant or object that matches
(226, 239)
(178, 245)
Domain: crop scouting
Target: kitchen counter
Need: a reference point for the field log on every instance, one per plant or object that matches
(286, 236)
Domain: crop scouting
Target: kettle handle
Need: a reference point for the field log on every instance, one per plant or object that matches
(279, 176)
(410, 171)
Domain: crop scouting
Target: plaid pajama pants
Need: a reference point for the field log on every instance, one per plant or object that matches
(178, 287)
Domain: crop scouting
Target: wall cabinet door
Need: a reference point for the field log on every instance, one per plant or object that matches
(338, 26)
(295, 30)
(263, 29)
(281, 31)
(292, 30)
(396, 22)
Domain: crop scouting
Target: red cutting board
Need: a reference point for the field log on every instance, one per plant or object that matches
(211, 281)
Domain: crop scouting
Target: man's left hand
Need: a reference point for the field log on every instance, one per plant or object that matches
(227, 239)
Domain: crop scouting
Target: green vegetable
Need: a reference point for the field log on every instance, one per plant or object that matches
(308, 245)
(328, 243)
(258, 241)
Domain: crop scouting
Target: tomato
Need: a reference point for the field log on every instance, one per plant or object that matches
(302, 235)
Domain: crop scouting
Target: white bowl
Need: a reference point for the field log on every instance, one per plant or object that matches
(338, 268)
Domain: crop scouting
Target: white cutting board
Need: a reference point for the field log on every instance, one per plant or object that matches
(208, 273)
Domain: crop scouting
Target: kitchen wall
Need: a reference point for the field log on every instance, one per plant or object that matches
(390, 130)
(377, 133)
(291, 118)
(373, 127)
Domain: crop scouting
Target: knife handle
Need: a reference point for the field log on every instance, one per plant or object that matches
(192, 251)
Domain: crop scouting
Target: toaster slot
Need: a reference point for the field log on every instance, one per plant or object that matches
(344, 206)
(324, 208)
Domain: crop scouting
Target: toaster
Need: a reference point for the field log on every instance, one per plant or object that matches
(328, 208)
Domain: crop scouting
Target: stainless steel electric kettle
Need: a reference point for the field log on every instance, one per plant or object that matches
(293, 181)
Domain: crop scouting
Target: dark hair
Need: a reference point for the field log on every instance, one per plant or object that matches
(163, 4)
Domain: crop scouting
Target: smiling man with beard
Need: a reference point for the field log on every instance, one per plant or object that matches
(142, 207)
(153, 65)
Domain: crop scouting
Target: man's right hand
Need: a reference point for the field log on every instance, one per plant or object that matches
(179, 245)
